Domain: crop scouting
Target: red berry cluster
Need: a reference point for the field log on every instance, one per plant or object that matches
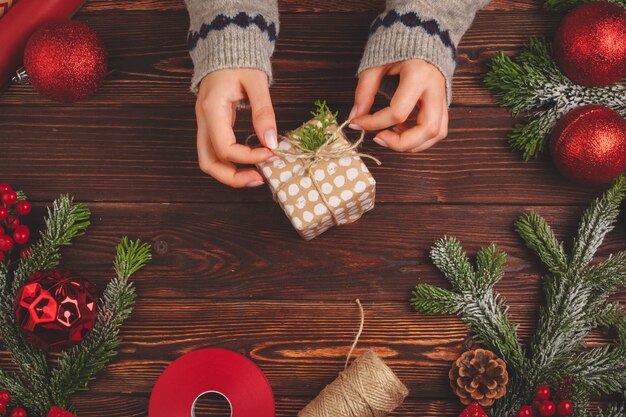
(544, 406)
(12, 233)
(5, 397)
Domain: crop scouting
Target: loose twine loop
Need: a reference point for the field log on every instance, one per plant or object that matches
(367, 388)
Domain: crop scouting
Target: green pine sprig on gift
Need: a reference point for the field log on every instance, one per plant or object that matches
(562, 5)
(40, 381)
(576, 301)
(531, 85)
(314, 133)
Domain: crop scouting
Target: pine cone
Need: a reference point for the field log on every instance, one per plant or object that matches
(479, 375)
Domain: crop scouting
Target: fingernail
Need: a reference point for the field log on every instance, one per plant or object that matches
(271, 138)
(255, 184)
(354, 126)
(352, 112)
(381, 142)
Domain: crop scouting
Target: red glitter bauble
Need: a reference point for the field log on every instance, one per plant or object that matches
(590, 44)
(66, 62)
(588, 145)
(55, 310)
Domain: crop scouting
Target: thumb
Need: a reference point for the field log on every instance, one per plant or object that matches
(263, 117)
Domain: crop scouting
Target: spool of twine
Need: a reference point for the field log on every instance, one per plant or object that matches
(367, 388)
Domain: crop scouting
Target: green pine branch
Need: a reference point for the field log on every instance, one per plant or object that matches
(66, 220)
(313, 134)
(79, 365)
(531, 85)
(563, 5)
(575, 302)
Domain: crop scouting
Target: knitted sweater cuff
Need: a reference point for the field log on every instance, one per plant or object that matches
(399, 43)
(231, 34)
(231, 48)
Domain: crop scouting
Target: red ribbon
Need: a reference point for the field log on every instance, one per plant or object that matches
(21, 21)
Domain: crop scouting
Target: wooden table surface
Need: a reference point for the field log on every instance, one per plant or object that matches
(228, 270)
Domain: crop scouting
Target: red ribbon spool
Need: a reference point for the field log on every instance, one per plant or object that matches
(21, 21)
(219, 371)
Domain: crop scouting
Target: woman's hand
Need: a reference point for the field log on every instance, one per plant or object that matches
(216, 111)
(421, 84)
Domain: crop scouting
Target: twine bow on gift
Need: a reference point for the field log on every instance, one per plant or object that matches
(326, 151)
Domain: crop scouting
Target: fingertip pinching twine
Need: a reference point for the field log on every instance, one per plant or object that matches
(367, 388)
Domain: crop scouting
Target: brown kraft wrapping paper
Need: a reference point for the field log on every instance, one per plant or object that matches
(315, 197)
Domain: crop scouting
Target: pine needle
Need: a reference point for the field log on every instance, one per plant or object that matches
(313, 134)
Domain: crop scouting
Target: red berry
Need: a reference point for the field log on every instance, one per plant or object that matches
(547, 408)
(525, 411)
(543, 392)
(3, 408)
(9, 197)
(21, 234)
(23, 208)
(565, 407)
(4, 212)
(5, 396)
(13, 221)
(5, 187)
(19, 412)
(6, 243)
(25, 253)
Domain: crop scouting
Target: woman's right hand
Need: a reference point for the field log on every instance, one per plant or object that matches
(216, 111)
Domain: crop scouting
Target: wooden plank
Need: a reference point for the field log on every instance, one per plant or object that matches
(94, 405)
(299, 345)
(250, 251)
(149, 154)
(293, 6)
(317, 57)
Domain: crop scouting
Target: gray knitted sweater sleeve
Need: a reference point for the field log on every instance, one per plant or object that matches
(242, 34)
(425, 29)
(231, 34)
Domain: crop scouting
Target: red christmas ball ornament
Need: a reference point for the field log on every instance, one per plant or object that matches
(473, 410)
(588, 145)
(590, 44)
(547, 409)
(565, 408)
(66, 62)
(55, 310)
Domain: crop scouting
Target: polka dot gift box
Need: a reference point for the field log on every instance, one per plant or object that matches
(316, 192)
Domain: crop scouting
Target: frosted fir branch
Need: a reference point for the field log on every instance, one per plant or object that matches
(601, 370)
(448, 256)
(431, 300)
(607, 276)
(563, 5)
(539, 237)
(597, 221)
(532, 86)
(20, 393)
(78, 366)
(66, 220)
(490, 264)
(613, 410)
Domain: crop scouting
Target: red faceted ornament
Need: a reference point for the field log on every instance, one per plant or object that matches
(590, 44)
(55, 310)
(66, 62)
(588, 145)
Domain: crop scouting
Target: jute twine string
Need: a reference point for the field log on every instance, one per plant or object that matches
(367, 388)
(325, 152)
